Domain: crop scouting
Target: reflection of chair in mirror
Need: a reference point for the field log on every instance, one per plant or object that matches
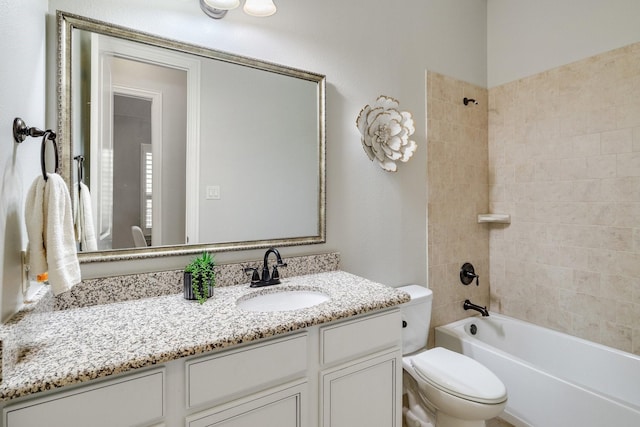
(138, 237)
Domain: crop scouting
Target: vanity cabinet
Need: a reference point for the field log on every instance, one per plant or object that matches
(342, 374)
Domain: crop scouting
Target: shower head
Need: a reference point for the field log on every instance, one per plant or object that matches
(470, 100)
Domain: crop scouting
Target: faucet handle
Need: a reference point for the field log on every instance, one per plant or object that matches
(255, 277)
(275, 275)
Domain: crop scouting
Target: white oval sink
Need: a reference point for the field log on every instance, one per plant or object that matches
(285, 300)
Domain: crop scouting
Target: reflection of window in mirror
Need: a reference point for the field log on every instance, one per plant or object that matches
(146, 184)
(103, 183)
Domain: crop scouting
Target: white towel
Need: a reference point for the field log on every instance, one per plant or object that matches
(83, 219)
(34, 218)
(52, 246)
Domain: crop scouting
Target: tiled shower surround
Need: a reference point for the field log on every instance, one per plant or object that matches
(564, 161)
(457, 183)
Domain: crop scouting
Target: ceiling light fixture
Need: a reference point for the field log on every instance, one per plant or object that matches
(217, 9)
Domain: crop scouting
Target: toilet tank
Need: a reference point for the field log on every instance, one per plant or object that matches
(417, 315)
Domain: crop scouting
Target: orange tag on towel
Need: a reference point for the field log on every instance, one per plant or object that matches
(42, 277)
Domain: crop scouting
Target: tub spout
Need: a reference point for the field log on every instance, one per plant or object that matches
(468, 305)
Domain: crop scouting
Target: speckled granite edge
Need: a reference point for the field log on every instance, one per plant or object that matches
(147, 285)
(67, 347)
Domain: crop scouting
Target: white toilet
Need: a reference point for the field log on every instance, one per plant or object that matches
(443, 388)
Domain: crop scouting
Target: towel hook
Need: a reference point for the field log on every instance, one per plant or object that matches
(51, 136)
(20, 133)
(80, 172)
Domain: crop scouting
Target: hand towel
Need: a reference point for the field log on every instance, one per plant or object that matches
(83, 218)
(50, 231)
(34, 219)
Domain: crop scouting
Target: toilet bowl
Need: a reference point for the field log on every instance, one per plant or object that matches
(443, 388)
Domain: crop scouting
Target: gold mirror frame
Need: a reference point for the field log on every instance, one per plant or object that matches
(66, 23)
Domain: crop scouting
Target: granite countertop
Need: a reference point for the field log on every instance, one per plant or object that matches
(66, 347)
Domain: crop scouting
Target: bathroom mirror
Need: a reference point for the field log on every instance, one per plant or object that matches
(185, 148)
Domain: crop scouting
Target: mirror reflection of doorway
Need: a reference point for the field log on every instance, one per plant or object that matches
(143, 155)
(132, 169)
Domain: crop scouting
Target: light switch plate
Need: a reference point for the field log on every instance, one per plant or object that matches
(213, 192)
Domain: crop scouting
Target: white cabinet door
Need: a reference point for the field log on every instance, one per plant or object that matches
(132, 400)
(281, 407)
(365, 393)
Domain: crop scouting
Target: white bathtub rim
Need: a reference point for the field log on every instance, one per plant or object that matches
(457, 329)
(462, 322)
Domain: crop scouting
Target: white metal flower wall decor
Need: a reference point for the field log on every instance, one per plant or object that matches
(385, 132)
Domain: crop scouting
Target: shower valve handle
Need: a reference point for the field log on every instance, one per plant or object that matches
(468, 273)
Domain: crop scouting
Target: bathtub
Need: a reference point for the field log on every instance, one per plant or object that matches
(552, 379)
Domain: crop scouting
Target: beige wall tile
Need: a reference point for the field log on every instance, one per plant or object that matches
(636, 139)
(624, 189)
(627, 314)
(601, 120)
(620, 287)
(568, 168)
(601, 166)
(586, 328)
(629, 164)
(458, 185)
(562, 149)
(586, 145)
(628, 115)
(636, 340)
(617, 141)
(617, 336)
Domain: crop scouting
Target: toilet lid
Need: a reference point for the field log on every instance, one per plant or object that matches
(459, 375)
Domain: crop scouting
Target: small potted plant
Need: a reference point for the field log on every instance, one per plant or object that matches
(199, 278)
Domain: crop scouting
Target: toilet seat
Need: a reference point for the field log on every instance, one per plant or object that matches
(459, 375)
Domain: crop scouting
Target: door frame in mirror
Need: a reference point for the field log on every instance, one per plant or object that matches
(66, 23)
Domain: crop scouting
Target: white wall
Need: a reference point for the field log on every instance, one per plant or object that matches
(22, 93)
(377, 220)
(526, 37)
(257, 133)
